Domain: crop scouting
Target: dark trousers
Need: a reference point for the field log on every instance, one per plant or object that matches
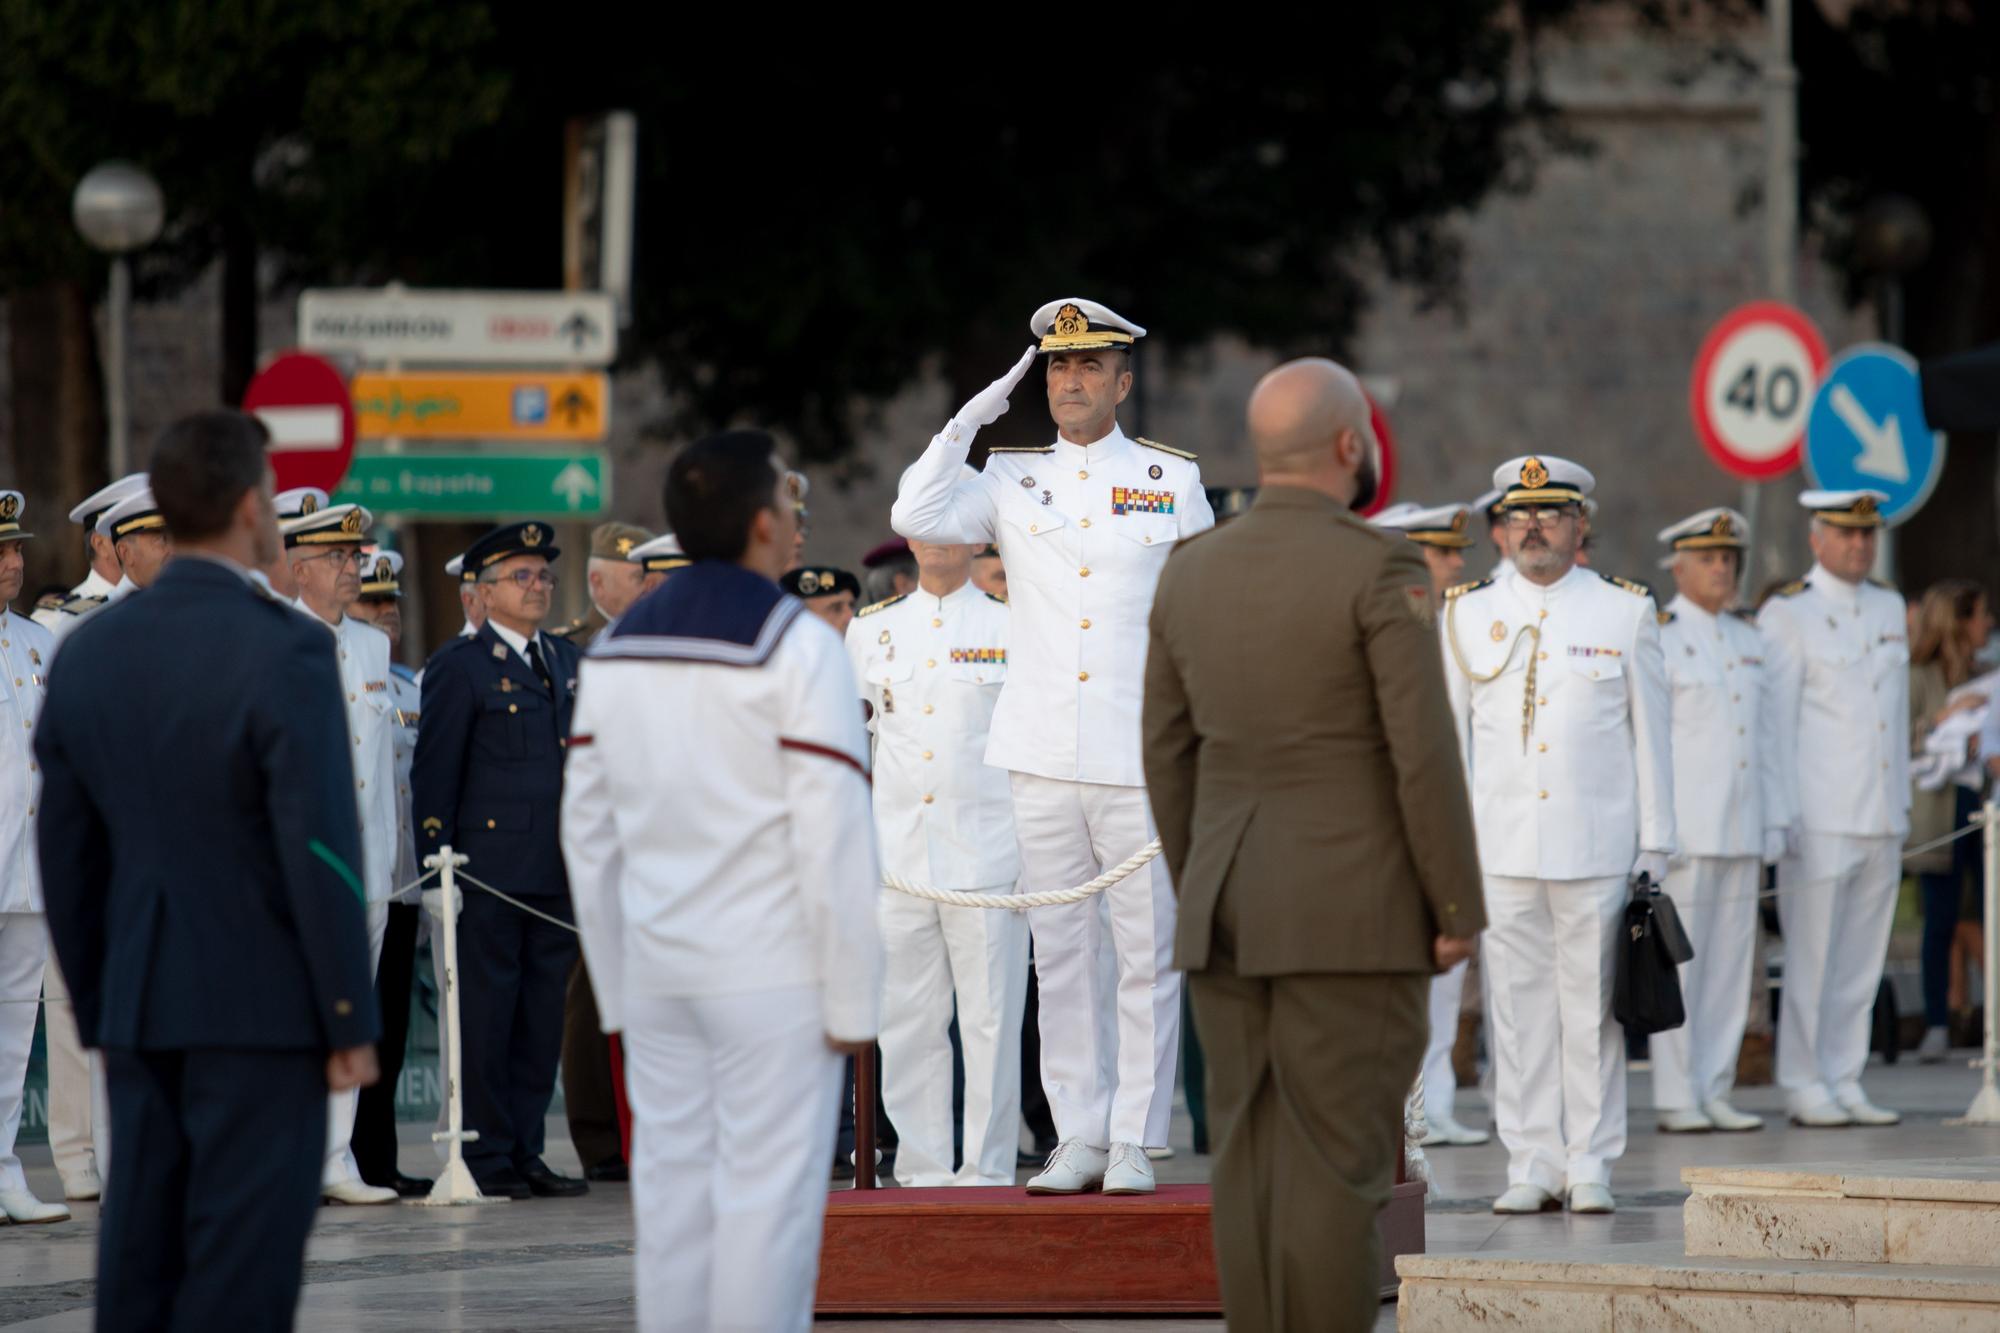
(516, 969)
(589, 1096)
(1306, 1079)
(1943, 896)
(374, 1140)
(205, 1219)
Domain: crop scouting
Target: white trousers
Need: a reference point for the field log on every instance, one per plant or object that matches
(341, 1106)
(1558, 1054)
(1440, 1079)
(24, 943)
(1836, 903)
(981, 956)
(1110, 999)
(79, 1099)
(1716, 897)
(734, 1101)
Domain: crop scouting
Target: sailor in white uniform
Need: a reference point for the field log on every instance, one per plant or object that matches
(1556, 680)
(105, 571)
(1084, 525)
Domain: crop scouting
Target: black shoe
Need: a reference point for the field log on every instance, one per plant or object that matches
(843, 1170)
(546, 1184)
(409, 1187)
(505, 1183)
(614, 1171)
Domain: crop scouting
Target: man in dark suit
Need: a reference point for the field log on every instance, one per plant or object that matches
(487, 781)
(201, 861)
(1311, 802)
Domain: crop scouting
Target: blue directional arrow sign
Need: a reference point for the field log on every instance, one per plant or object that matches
(1867, 430)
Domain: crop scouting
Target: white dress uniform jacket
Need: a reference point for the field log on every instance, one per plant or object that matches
(363, 653)
(1084, 531)
(931, 670)
(94, 585)
(25, 650)
(1840, 668)
(67, 620)
(1591, 784)
(406, 699)
(1729, 783)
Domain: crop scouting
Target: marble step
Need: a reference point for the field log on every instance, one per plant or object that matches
(1934, 1211)
(1653, 1287)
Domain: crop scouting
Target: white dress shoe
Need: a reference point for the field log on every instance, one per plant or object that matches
(1935, 1046)
(1526, 1198)
(357, 1192)
(83, 1187)
(1728, 1119)
(1160, 1154)
(1684, 1121)
(1864, 1112)
(1129, 1171)
(1820, 1115)
(1590, 1199)
(1072, 1168)
(1448, 1133)
(21, 1206)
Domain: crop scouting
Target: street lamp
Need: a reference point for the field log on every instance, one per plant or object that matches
(1892, 237)
(118, 209)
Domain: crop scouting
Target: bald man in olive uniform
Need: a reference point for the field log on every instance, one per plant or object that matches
(1312, 807)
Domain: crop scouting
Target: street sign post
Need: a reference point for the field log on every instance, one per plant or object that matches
(461, 327)
(571, 484)
(482, 406)
(1753, 381)
(1867, 430)
(304, 403)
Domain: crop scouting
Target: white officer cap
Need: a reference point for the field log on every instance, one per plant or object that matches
(299, 501)
(1711, 529)
(1846, 509)
(456, 566)
(381, 574)
(12, 504)
(1444, 525)
(660, 554)
(335, 525)
(92, 509)
(1485, 503)
(1541, 480)
(1076, 325)
(135, 513)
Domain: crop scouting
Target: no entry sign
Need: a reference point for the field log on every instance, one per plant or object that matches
(1753, 384)
(1379, 420)
(305, 404)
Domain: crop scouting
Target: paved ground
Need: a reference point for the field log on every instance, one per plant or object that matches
(567, 1264)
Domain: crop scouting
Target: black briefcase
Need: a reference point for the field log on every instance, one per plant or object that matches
(1646, 994)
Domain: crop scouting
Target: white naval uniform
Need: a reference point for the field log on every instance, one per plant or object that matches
(362, 653)
(25, 650)
(716, 829)
(930, 669)
(94, 585)
(1561, 817)
(1728, 791)
(1839, 662)
(1083, 531)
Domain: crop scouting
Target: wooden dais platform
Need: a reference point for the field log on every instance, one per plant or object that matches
(1003, 1251)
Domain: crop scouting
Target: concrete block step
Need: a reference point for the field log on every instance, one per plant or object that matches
(1934, 1211)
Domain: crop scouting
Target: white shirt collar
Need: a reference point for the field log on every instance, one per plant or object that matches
(300, 604)
(1683, 605)
(952, 598)
(1536, 595)
(1116, 442)
(1839, 589)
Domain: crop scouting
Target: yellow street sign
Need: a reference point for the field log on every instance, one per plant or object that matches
(482, 406)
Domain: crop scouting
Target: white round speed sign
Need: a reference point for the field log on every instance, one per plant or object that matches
(1753, 383)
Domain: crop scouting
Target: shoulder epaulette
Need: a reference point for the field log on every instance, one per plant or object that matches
(873, 607)
(1627, 584)
(1883, 584)
(79, 605)
(1744, 613)
(1667, 617)
(573, 627)
(1793, 589)
(991, 598)
(1163, 448)
(1464, 588)
(1021, 449)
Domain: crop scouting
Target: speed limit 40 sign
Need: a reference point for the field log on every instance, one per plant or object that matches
(1753, 384)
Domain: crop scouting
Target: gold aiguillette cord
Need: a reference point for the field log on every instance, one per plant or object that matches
(1532, 633)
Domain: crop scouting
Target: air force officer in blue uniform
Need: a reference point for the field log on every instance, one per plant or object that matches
(487, 781)
(201, 863)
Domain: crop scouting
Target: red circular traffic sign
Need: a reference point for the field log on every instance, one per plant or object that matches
(1386, 485)
(1753, 385)
(304, 402)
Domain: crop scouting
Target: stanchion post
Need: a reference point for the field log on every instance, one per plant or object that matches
(864, 1118)
(1985, 1108)
(455, 1184)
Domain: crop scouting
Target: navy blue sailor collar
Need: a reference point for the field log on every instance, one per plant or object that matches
(712, 611)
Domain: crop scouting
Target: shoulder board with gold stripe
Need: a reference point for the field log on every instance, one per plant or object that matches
(1464, 588)
(1163, 448)
(1744, 614)
(872, 608)
(1021, 449)
(77, 606)
(1667, 617)
(1627, 584)
(573, 627)
(989, 597)
(1793, 589)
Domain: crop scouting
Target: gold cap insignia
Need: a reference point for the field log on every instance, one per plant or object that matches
(1533, 475)
(383, 571)
(531, 535)
(624, 545)
(1865, 507)
(808, 583)
(308, 504)
(10, 508)
(1723, 526)
(1458, 521)
(351, 521)
(1070, 322)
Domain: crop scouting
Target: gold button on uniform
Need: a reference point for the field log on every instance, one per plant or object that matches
(1542, 702)
(343, 1008)
(1083, 573)
(1541, 657)
(1081, 475)
(1543, 748)
(1086, 624)
(936, 623)
(928, 798)
(1034, 527)
(491, 824)
(513, 708)
(927, 709)
(930, 661)
(927, 754)
(1545, 796)
(1083, 675)
(1084, 521)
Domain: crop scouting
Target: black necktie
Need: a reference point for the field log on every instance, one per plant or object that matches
(541, 670)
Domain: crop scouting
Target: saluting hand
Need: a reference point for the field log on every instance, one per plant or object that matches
(987, 406)
(1449, 951)
(354, 1067)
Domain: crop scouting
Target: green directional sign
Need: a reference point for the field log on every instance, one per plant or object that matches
(467, 484)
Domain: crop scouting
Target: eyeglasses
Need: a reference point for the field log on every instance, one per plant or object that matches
(1545, 518)
(340, 559)
(525, 579)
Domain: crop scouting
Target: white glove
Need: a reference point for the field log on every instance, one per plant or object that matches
(1777, 842)
(987, 406)
(1653, 865)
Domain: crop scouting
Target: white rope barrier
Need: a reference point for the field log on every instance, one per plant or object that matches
(1016, 901)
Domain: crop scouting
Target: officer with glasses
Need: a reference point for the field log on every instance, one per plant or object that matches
(487, 780)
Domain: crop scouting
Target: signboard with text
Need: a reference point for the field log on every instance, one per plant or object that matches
(478, 328)
(470, 484)
(478, 405)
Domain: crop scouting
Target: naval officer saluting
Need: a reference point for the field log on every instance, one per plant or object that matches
(1084, 526)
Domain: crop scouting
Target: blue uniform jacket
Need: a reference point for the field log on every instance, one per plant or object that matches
(487, 777)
